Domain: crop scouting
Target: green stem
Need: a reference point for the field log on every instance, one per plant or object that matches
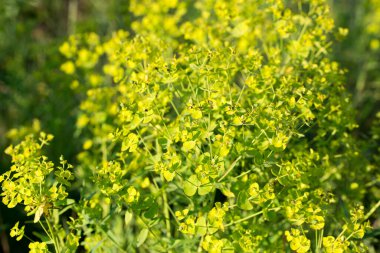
(344, 230)
(316, 241)
(251, 216)
(166, 212)
(321, 239)
(373, 209)
(244, 219)
(104, 151)
(51, 236)
(229, 170)
(200, 245)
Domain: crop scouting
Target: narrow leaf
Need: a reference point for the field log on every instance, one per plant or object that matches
(128, 217)
(142, 237)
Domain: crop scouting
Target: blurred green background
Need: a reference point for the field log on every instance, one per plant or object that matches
(359, 53)
(32, 87)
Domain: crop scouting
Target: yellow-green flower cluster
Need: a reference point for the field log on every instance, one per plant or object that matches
(27, 181)
(17, 232)
(298, 242)
(214, 245)
(208, 100)
(38, 247)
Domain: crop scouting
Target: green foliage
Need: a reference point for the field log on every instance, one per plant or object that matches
(216, 126)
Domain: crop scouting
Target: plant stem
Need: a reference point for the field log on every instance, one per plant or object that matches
(373, 209)
(251, 216)
(49, 235)
(200, 245)
(244, 219)
(229, 170)
(316, 242)
(166, 212)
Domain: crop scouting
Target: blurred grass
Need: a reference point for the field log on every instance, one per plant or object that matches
(360, 55)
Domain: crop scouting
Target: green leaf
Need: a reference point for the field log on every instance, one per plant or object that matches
(212, 230)
(42, 237)
(142, 236)
(204, 189)
(168, 175)
(145, 203)
(191, 185)
(128, 217)
(163, 142)
(243, 201)
(131, 143)
(188, 145)
(152, 211)
(226, 192)
(201, 226)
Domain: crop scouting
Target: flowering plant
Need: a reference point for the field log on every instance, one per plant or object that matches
(215, 126)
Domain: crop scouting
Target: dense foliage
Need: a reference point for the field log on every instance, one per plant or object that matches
(208, 126)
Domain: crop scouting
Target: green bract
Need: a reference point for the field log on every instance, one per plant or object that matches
(215, 126)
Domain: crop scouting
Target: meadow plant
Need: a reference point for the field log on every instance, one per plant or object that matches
(210, 126)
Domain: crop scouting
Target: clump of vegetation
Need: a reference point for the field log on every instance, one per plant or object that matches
(210, 126)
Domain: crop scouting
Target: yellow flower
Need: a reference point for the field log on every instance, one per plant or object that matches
(133, 195)
(317, 222)
(68, 67)
(254, 190)
(38, 247)
(67, 50)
